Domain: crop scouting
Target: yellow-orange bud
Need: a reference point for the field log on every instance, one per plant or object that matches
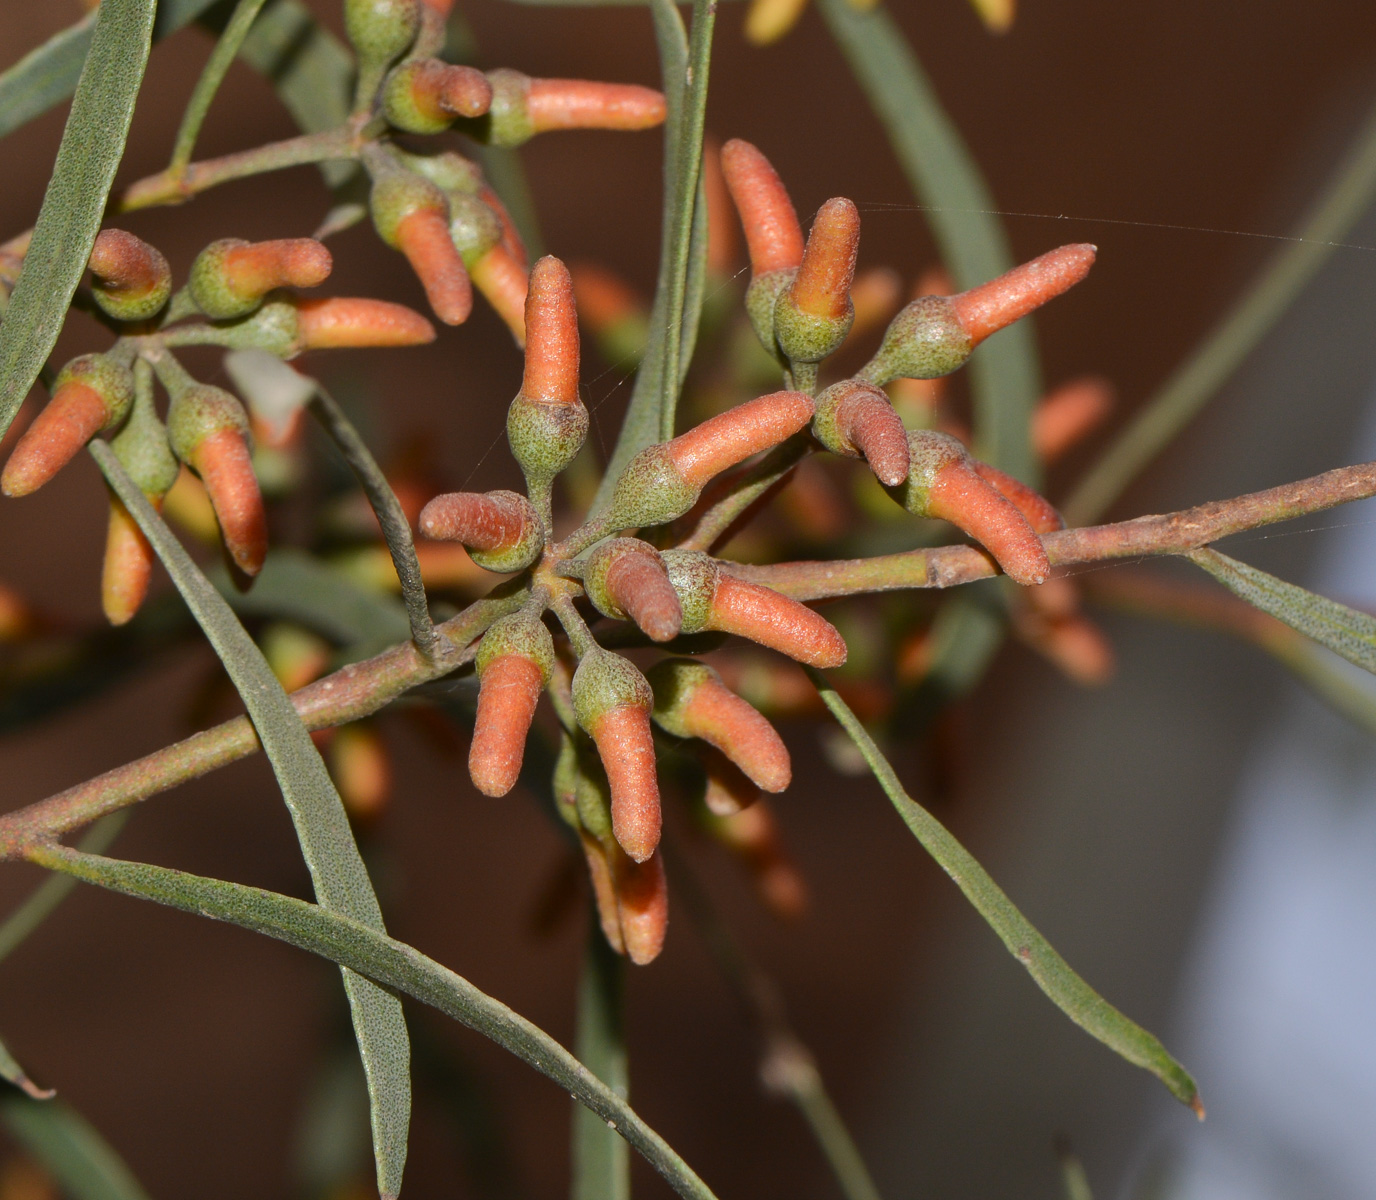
(341, 322)
(223, 462)
(128, 565)
(989, 307)
(423, 237)
(585, 104)
(772, 233)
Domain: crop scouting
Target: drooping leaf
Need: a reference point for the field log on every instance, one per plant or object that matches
(601, 1166)
(70, 1149)
(327, 843)
(91, 148)
(47, 74)
(1343, 630)
(368, 951)
(1071, 994)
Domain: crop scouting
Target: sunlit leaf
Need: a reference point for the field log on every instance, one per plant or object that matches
(1071, 994)
(322, 826)
(91, 148)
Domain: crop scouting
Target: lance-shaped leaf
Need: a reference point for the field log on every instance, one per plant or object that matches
(92, 145)
(322, 826)
(84, 1164)
(1071, 994)
(366, 950)
(1343, 630)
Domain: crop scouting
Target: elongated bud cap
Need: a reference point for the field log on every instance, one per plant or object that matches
(664, 481)
(772, 233)
(127, 568)
(132, 279)
(514, 662)
(943, 482)
(1068, 414)
(711, 599)
(585, 104)
(425, 95)
(612, 702)
(91, 393)
(231, 277)
(411, 214)
(855, 417)
(814, 315)
(642, 902)
(626, 578)
(340, 322)
(500, 275)
(501, 529)
(989, 307)
(546, 423)
(207, 427)
(691, 701)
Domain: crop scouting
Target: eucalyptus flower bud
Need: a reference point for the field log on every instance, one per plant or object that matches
(625, 578)
(231, 277)
(132, 280)
(514, 663)
(501, 530)
(856, 418)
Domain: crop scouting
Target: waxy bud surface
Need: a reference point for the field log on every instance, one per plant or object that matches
(624, 578)
(856, 418)
(231, 277)
(501, 529)
(132, 279)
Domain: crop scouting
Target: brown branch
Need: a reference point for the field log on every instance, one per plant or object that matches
(1172, 533)
(346, 695)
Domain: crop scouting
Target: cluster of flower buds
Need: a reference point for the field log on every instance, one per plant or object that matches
(436, 209)
(235, 297)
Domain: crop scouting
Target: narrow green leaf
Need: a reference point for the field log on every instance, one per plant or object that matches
(322, 826)
(47, 74)
(368, 951)
(396, 528)
(212, 75)
(1343, 630)
(1071, 994)
(84, 1164)
(685, 70)
(1074, 1181)
(15, 1074)
(1347, 196)
(601, 1164)
(91, 148)
(55, 889)
(294, 586)
(1005, 377)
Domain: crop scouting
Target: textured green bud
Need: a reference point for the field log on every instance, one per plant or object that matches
(605, 681)
(544, 437)
(518, 633)
(449, 170)
(926, 340)
(402, 107)
(674, 681)
(473, 226)
(276, 328)
(507, 122)
(806, 337)
(142, 449)
(694, 576)
(593, 797)
(565, 783)
(929, 452)
(198, 411)
(109, 378)
(396, 195)
(761, 300)
(651, 491)
(381, 30)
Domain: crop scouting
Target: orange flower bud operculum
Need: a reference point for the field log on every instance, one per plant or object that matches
(664, 481)
(711, 599)
(612, 702)
(514, 662)
(500, 275)
(1049, 620)
(691, 701)
(425, 95)
(726, 789)
(231, 277)
(91, 393)
(208, 430)
(989, 307)
(1068, 414)
(584, 104)
(1038, 510)
(624, 578)
(128, 565)
(411, 214)
(812, 318)
(340, 322)
(132, 279)
(642, 904)
(501, 529)
(945, 482)
(855, 418)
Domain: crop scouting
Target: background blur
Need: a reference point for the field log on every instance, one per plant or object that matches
(1171, 135)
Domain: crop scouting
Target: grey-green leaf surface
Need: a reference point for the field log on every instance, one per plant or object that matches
(70, 1149)
(944, 176)
(368, 951)
(46, 75)
(1343, 630)
(1071, 994)
(327, 843)
(91, 148)
(601, 1165)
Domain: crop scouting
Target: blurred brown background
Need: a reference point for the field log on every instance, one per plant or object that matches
(192, 1046)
